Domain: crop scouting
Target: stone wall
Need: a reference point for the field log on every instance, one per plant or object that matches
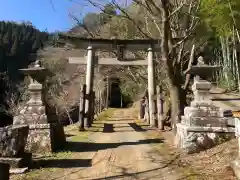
(45, 138)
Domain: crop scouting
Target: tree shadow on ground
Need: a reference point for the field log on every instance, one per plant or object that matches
(126, 126)
(69, 135)
(89, 146)
(62, 163)
(136, 127)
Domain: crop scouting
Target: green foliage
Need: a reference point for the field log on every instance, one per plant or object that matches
(93, 21)
(217, 15)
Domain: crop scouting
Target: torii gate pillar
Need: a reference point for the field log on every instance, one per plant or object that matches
(152, 89)
(89, 83)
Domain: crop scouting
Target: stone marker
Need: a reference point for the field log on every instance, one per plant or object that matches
(13, 140)
(203, 122)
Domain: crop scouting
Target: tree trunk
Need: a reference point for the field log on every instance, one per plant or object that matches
(178, 100)
(169, 57)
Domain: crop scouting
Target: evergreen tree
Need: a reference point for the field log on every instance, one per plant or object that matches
(17, 43)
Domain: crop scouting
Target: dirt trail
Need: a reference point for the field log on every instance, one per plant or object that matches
(123, 152)
(119, 149)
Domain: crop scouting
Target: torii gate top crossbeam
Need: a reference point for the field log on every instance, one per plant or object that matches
(109, 44)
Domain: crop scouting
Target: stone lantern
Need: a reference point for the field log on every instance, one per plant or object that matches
(42, 134)
(203, 123)
(34, 111)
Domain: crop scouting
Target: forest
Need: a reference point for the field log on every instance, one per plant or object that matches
(19, 44)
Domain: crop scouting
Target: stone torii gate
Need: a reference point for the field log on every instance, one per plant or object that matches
(120, 45)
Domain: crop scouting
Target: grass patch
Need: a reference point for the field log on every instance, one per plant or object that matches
(105, 115)
(83, 136)
(140, 122)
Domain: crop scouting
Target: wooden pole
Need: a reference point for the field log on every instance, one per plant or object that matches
(4, 171)
(142, 108)
(107, 97)
(146, 115)
(152, 89)
(82, 108)
(89, 83)
(100, 101)
(92, 109)
(121, 100)
(160, 107)
(110, 91)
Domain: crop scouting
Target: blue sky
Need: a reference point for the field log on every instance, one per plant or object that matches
(42, 13)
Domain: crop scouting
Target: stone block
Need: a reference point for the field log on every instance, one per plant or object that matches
(31, 115)
(202, 103)
(237, 127)
(18, 162)
(206, 121)
(44, 138)
(13, 140)
(192, 139)
(201, 85)
(4, 171)
(202, 111)
(231, 122)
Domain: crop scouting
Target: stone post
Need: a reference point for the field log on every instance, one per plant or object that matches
(152, 89)
(89, 81)
(107, 97)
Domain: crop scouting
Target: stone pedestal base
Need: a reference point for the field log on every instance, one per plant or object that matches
(194, 139)
(236, 167)
(44, 138)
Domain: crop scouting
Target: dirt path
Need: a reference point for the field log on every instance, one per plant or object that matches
(123, 152)
(118, 148)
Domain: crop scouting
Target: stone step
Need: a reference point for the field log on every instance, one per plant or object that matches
(202, 112)
(205, 129)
